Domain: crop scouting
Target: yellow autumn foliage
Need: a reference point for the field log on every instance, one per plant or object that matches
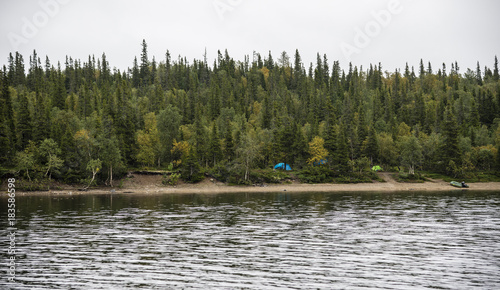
(317, 150)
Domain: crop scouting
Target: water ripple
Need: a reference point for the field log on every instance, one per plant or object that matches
(293, 241)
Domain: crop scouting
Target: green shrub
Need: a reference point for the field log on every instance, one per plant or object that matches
(220, 172)
(191, 171)
(235, 179)
(268, 176)
(171, 179)
(316, 174)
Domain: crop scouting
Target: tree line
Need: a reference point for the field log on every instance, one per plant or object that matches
(88, 121)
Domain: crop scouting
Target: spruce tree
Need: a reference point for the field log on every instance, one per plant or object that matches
(286, 139)
(266, 112)
(299, 144)
(422, 70)
(371, 149)
(331, 141)
(479, 78)
(341, 156)
(59, 94)
(136, 77)
(269, 63)
(144, 73)
(215, 150)
(40, 120)
(19, 77)
(362, 134)
(24, 126)
(229, 145)
(200, 139)
(297, 70)
(495, 70)
(450, 151)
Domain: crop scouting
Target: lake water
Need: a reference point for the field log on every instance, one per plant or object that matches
(256, 241)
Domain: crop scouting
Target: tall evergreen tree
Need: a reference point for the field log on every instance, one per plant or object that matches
(269, 62)
(422, 70)
(362, 128)
(200, 139)
(24, 126)
(479, 77)
(105, 72)
(144, 73)
(136, 76)
(495, 70)
(19, 77)
(59, 94)
(229, 144)
(299, 144)
(450, 151)
(266, 113)
(331, 141)
(11, 71)
(297, 70)
(371, 149)
(214, 146)
(41, 119)
(341, 157)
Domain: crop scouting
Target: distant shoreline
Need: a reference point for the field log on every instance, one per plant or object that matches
(213, 187)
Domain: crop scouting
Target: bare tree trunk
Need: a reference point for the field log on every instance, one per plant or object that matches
(111, 175)
(247, 165)
(93, 176)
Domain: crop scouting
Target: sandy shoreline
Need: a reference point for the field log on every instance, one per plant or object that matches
(152, 185)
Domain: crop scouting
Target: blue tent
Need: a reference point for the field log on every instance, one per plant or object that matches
(282, 166)
(322, 161)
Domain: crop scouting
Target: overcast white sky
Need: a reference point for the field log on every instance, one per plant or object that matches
(361, 31)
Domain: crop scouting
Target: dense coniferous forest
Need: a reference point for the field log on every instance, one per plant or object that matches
(83, 121)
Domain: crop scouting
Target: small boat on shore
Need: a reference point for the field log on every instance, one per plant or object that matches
(459, 184)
